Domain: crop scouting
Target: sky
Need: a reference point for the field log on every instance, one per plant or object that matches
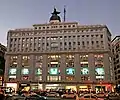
(24, 13)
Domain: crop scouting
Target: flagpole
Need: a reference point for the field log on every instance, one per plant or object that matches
(64, 13)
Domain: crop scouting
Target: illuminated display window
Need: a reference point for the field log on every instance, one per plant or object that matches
(53, 78)
(13, 71)
(84, 71)
(25, 71)
(99, 71)
(70, 78)
(99, 77)
(53, 71)
(70, 71)
(38, 71)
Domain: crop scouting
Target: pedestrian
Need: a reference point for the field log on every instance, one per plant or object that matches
(2, 96)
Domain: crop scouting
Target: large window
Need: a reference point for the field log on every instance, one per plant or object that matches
(99, 71)
(84, 71)
(53, 71)
(12, 71)
(70, 71)
(25, 61)
(25, 71)
(13, 61)
(38, 71)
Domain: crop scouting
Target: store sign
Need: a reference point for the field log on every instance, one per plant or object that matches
(1, 83)
(23, 84)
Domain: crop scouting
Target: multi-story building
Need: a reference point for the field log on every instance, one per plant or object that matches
(59, 55)
(116, 55)
(3, 49)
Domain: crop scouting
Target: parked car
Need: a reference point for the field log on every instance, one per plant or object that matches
(112, 96)
(69, 95)
(52, 94)
(35, 97)
(90, 97)
(101, 95)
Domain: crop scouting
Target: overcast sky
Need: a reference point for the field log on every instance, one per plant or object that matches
(25, 13)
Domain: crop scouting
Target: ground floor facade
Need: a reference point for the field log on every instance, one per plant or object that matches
(56, 86)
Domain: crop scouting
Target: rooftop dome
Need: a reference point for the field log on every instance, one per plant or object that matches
(54, 16)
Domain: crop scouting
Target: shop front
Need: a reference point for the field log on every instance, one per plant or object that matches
(72, 88)
(83, 88)
(12, 85)
(53, 86)
(24, 87)
(36, 86)
(104, 88)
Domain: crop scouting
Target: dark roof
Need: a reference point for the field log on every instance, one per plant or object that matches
(115, 38)
(55, 17)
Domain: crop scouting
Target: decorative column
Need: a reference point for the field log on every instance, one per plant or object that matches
(62, 67)
(91, 69)
(44, 70)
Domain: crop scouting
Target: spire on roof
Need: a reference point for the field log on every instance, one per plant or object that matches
(55, 17)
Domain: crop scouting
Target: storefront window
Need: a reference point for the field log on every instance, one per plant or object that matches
(84, 71)
(53, 71)
(99, 71)
(70, 71)
(13, 71)
(38, 71)
(25, 71)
